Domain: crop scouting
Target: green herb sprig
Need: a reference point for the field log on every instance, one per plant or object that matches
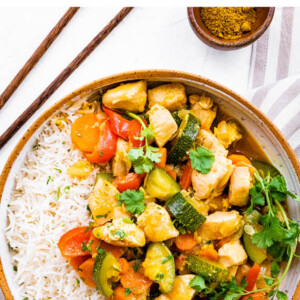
(143, 158)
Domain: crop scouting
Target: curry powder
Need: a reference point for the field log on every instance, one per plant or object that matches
(228, 22)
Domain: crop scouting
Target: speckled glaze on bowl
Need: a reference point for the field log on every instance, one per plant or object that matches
(264, 131)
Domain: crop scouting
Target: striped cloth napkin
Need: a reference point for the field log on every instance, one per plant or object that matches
(274, 80)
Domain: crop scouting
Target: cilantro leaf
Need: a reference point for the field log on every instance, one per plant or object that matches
(272, 232)
(275, 270)
(136, 265)
(202, 159)
(278, 189)
(133, 200)
(257, 196)
(127, 292)
(143, 158)
(121, 234)
(198, 284)
(281, 295)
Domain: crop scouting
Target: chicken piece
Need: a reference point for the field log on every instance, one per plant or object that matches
(204, 109)
(130, 96)
(219, 203)
(103, 203)
(121, 233)
(209, 141)
(240, 183)
(163, 124)
(156, 223)
(181, 289)
(213, 183)
(171, 96)
(121, 163)
(232, 254)
(219, 225)
(228, 132)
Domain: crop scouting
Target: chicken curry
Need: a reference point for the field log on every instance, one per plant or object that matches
(191, 207)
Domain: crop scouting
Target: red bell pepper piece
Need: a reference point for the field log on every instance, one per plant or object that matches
(126, 129)
(106, 147)
(131, 181)
(119, 125)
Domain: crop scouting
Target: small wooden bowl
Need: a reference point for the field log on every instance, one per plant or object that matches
(264, 16)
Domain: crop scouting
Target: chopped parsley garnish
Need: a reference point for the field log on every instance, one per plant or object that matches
(57, 194)
(166, 259)
(66, 189)
(127, 292)
(133, 200)
(63, 142)
(136, 265)
(35, 146)
(15, 268)
(88, 208)
(143, 158)
(58, 170)
(202, 160)
(159, 277)
(78, 281)
(49, 178)
(121, 234)
(102, 216)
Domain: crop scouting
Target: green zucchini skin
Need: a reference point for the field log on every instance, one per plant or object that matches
(214, 271)
(104, 269)
(187, 133)
(176, 118)
(185, 213)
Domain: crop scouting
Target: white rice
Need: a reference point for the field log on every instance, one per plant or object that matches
(37, 219)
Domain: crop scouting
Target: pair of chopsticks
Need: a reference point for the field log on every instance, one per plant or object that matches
(58, 81)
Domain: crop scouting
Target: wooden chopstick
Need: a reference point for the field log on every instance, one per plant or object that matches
(57, 82)
(39, 52)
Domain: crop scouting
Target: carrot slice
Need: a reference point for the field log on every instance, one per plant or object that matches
(70, 244)
(170, 170)
(252, 277)
(119, 294)
(85, 272)
(136, 281)
(235, 158)
(85, 132)
(185, 242)
(163, 158)
(209, 252)
(75, 262)
(186, 179)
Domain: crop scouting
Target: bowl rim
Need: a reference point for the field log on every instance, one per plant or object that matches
(222, 44)
(129, 76)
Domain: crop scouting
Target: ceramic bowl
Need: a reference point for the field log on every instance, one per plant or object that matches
(267, 135)
(263, 21)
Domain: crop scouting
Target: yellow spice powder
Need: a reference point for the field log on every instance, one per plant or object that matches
(228, 22)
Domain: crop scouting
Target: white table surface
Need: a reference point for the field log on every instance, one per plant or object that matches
(148, 38)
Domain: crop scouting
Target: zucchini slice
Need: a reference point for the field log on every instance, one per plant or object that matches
(263, 168)
(159, 266)
(185, 213)
(106, 270)
(105, 176)
(161, 185)
(176, 117)
(256, 254)
(207, 268)
(187, 133)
